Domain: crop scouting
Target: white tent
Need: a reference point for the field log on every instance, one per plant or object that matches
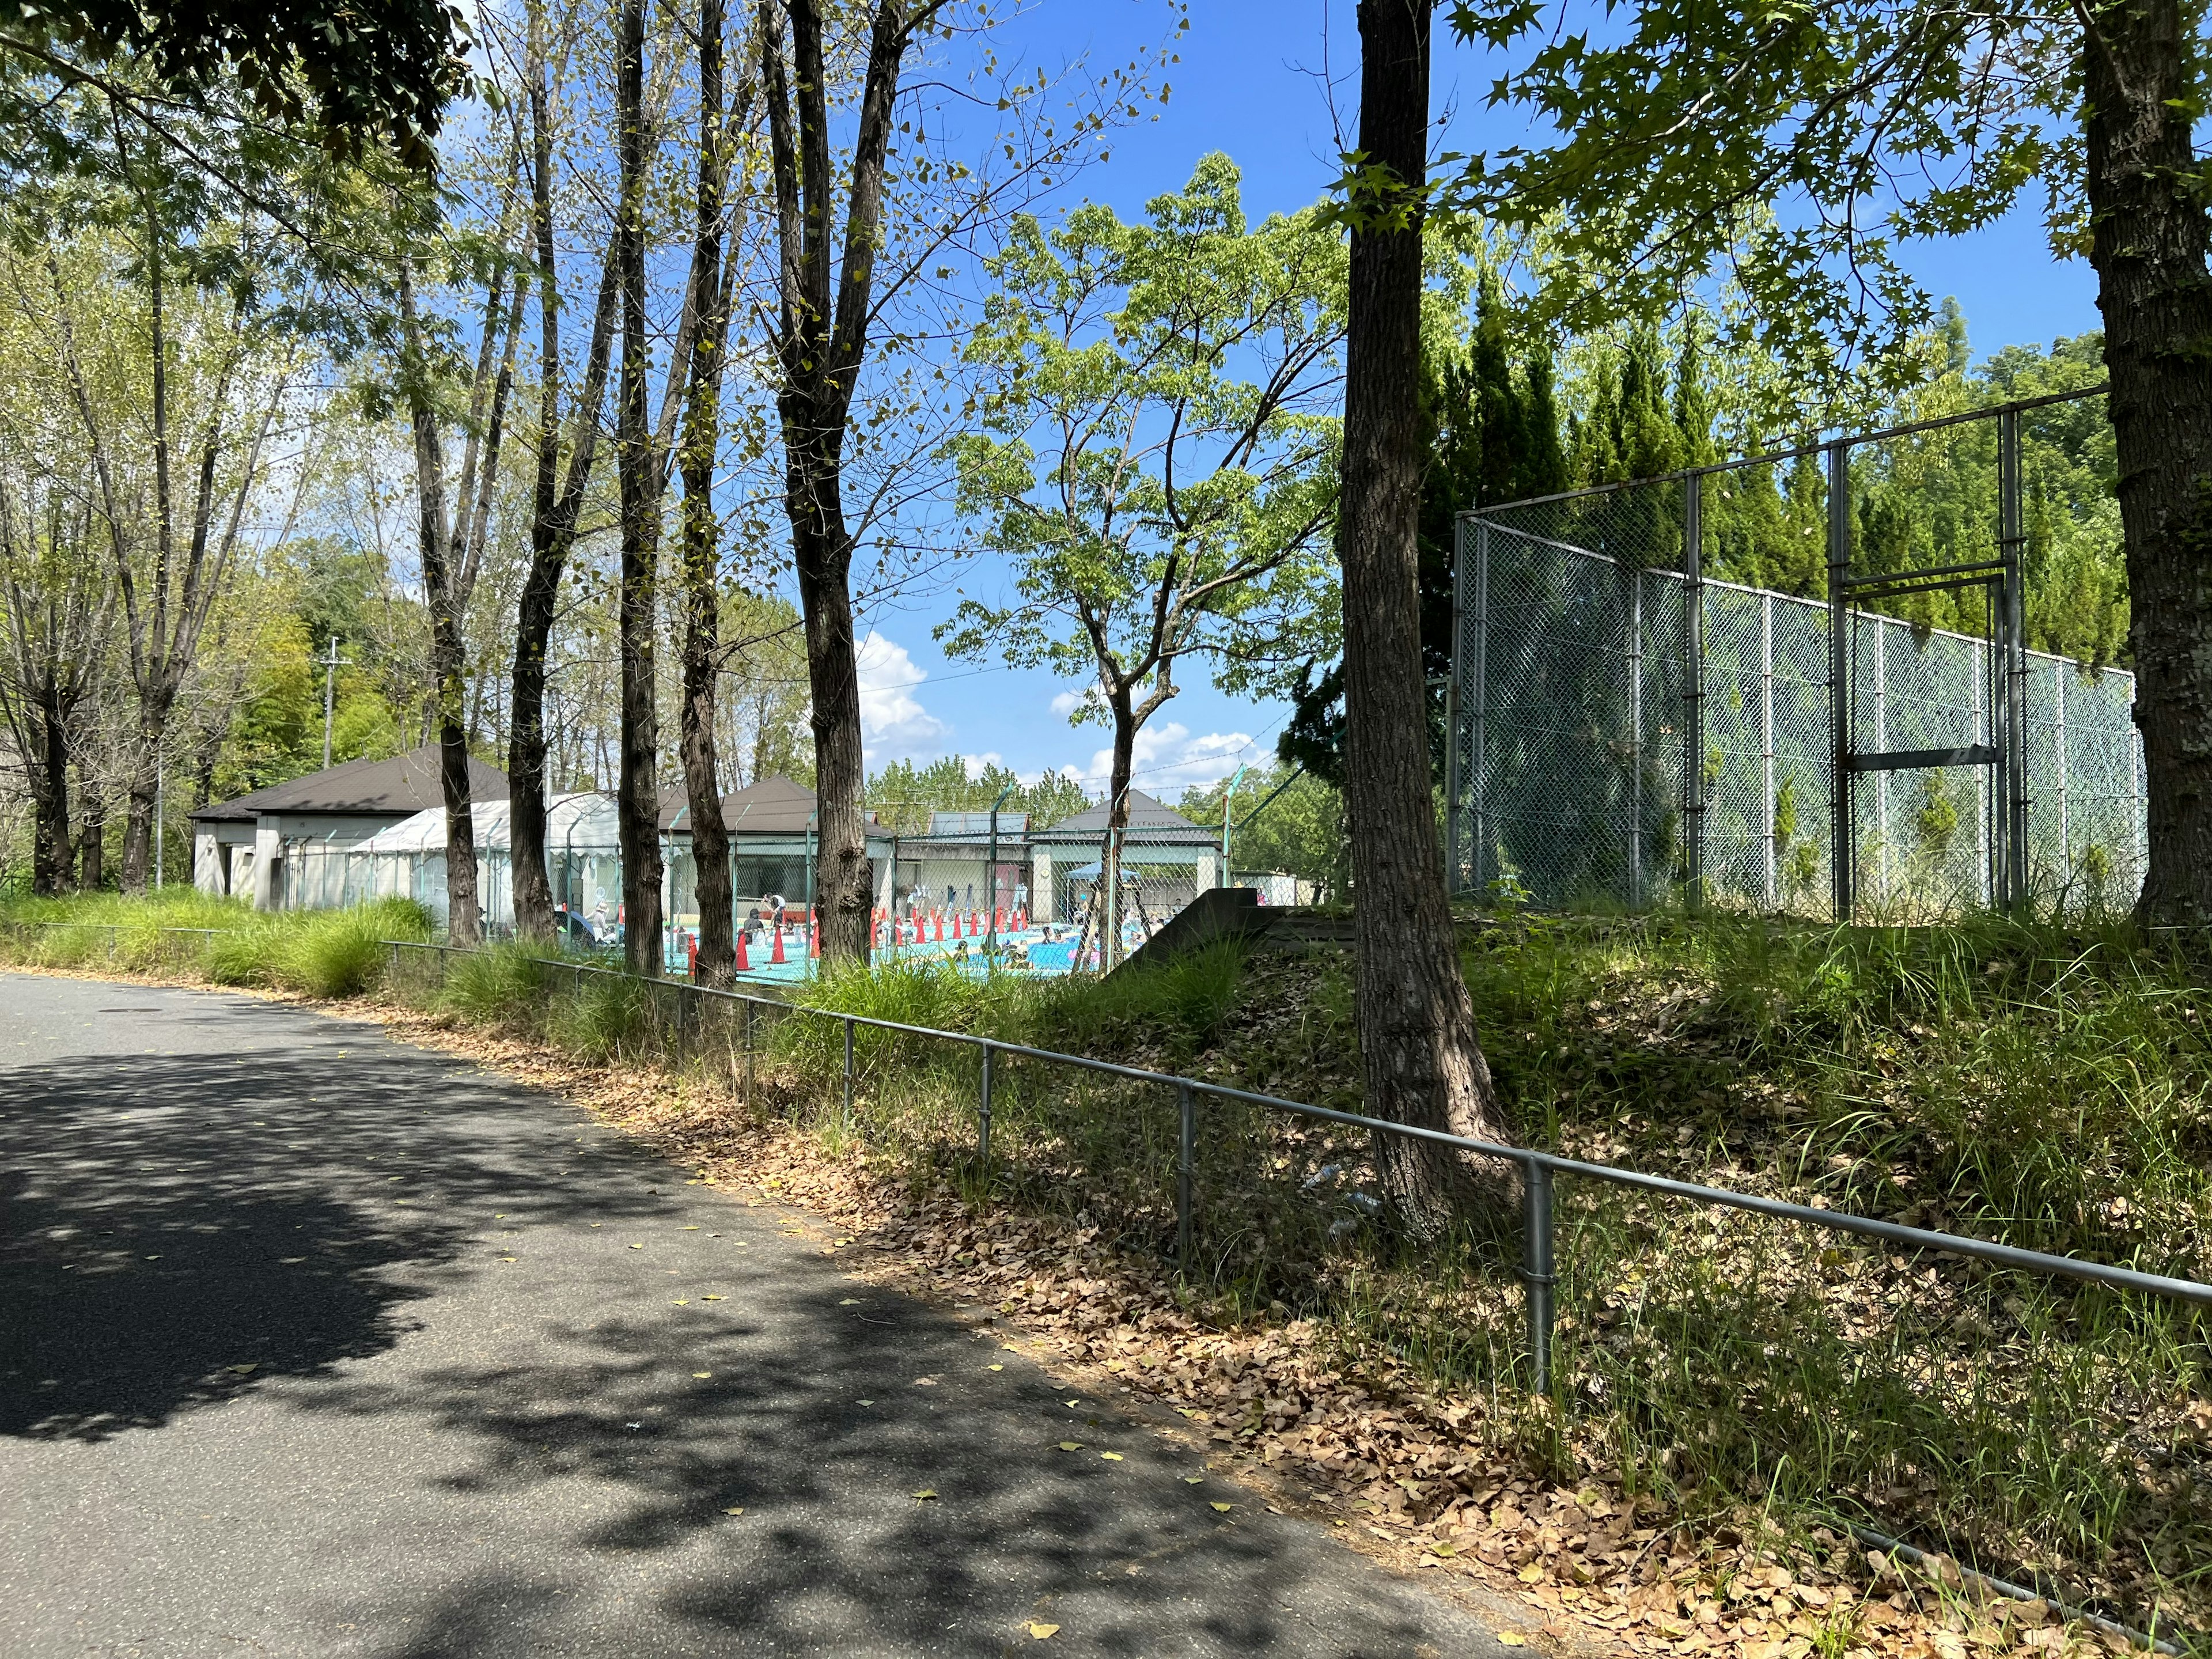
(408, 860)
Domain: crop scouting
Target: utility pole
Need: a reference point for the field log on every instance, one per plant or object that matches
(160, 812)
(331, 665)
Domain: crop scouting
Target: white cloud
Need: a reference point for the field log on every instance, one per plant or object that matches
(979, 764)
(894, 726)
(1065, 703)
(1166, 760)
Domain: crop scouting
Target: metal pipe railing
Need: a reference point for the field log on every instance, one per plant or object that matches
(1537, 1171)
(1538, 1268)
(1537, 1168)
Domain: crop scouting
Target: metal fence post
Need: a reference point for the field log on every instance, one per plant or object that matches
(983, 1117)
(1186, 1151)
(1842, 739)
(1694, 689)
(1772, 857)
(1536, 1268)
(847, 1122)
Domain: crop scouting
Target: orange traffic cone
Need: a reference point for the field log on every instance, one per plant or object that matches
(743, 966)
(776, 955)
(691, 957)
(813, 936)
(997, 920)
(940, 926)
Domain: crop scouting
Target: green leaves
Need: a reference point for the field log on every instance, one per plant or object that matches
(1156, 450)
(1783, 147)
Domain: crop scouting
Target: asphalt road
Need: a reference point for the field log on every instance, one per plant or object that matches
(313, 1344)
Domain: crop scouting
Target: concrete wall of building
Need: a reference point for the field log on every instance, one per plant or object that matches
(966, 874)
(222, 858)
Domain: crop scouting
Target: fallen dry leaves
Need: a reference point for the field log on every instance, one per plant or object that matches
(1408, 1474)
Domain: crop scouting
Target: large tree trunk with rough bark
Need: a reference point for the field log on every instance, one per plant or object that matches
(821, 335)
(710, 840)
(1420, 1056)
(2149, 233)
(556, 504)
(637, 795)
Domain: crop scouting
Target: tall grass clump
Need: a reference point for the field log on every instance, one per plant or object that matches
(505, 986)
(606, 1016)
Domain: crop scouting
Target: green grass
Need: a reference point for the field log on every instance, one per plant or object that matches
(318, 953)
(2045, 1086)
(2050, 1087)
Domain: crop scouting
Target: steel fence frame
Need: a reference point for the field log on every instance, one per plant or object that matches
(1537, 1168)
(1612, 708)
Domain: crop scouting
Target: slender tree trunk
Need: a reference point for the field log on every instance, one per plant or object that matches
(2149, 233)
(51, 843)
(637, 794)
(541, 587)
(1419, 1052)
(154, 692)
(448, 653)
(552, 535)
(92, 847)
(710, 840)
(1110, 861)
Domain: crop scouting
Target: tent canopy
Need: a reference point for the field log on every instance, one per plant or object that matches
(581, 822)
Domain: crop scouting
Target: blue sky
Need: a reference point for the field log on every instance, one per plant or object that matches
(1251, 83)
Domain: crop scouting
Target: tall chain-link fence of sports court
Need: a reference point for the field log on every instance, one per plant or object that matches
(1859, 729)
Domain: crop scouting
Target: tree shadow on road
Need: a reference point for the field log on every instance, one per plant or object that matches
(174, 1230)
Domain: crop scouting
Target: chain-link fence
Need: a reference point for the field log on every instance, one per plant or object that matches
(1628, 730)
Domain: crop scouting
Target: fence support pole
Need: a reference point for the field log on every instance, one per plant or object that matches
(1694, 689)
(1842, 826)
(2013, 755)
(1186, 1149)
(983, 1114)
(1536, 1268)
(847, 1123)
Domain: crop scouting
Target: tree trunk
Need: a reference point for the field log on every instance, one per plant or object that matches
(821, 337)
(843, 887)
(552, 535)
(156, 690)
(1111, 916)
(710, 840)
(448, 653)
(92, 847)
(2148, 242)
(50, 844)
(637, 794)
(541, 587)
(1419, 1052)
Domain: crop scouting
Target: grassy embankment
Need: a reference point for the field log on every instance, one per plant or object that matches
(318, 953)
(2045, 1088)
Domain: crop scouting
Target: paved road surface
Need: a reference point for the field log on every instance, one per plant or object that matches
(494, 1407)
